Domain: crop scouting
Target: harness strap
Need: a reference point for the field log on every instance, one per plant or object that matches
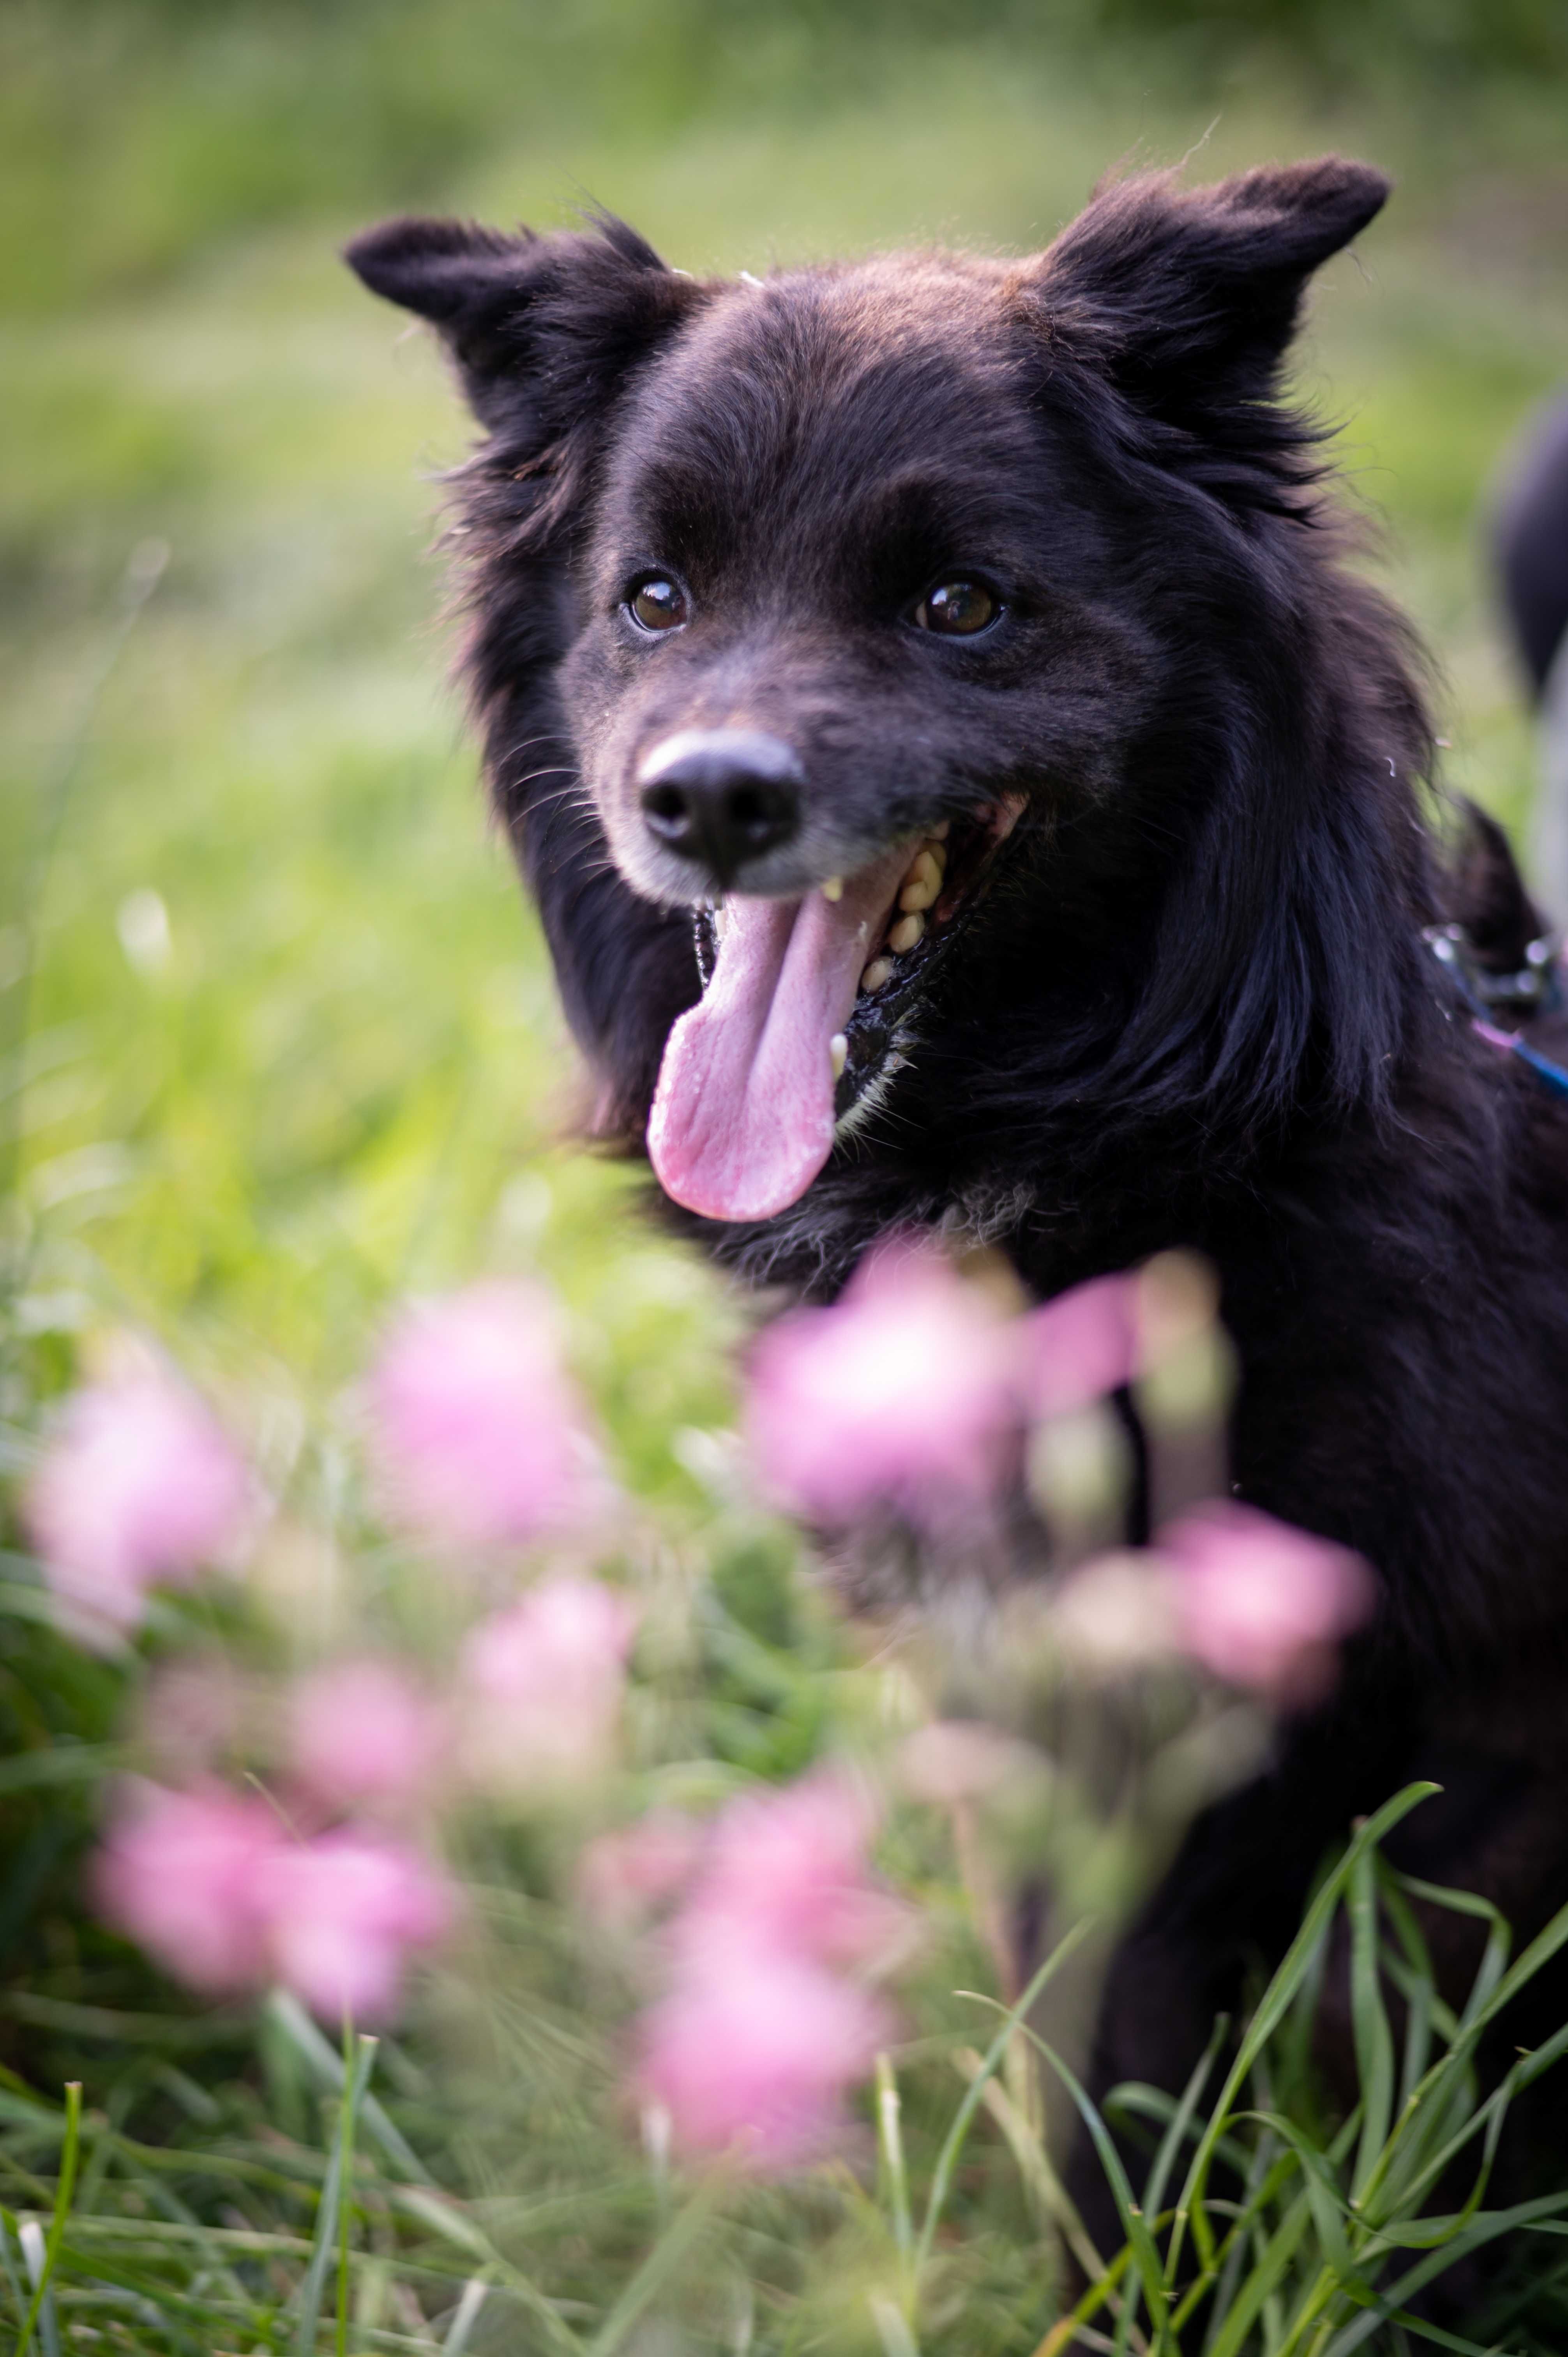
(1536, 988)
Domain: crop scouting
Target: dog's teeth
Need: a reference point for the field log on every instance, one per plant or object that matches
(921, 885)
(905, 932)
(838, 1054)
(720, 921)
(834, 889)
(879, 971)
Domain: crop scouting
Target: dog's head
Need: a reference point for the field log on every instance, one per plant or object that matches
(860, 642)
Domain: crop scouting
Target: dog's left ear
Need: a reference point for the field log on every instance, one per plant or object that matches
(542, 327)
(1192, 296)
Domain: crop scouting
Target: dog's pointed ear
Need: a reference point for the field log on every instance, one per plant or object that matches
(1191, 291)
(556, 317)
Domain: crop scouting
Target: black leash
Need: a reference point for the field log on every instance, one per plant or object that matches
(1535, 989)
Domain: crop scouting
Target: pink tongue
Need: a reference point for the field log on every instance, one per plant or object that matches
(743, 1115)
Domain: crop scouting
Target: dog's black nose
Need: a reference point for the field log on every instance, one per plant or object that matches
(721, 796)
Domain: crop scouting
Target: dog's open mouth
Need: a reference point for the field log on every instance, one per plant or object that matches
(806, 1003)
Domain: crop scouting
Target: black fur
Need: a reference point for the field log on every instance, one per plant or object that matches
(1194, 1009)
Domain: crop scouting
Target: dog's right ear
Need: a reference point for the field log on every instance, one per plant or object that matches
(1190, 297)
(546, 325)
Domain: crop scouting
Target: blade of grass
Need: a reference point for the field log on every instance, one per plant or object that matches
(663, 2259)
(335, 2195)
(1074, 2327)
(1424, 2330)
(1134, 2101)
(890, 2148)
(1262, 2281)
(1051, 2196)
(462, 2324)
(1255, 2190)
(1421, 2022)
(1181, 2122)
(892, 2329)
(1134, 2225)
(1257, 2292)
(356, 2069)
(1487, 2120)
(1177, 2118)
(1370, 2021)
(1331, 2213)
(1274, 2004)
(1395, 2300)
(1540, 1952)
(952, 2144)
(64, 2183)
(328, 2064)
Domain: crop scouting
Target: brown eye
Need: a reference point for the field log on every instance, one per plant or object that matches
(657, 604)
(957, 609)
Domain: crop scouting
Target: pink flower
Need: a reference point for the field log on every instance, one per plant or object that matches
(1260, 1603)
(140, 1484)
(543, 1684)
(364, 1733)
(183, 1873)
(787, 1873)
(628, 1875)
(479, 1429)
(218, 1892)
(758, 2037)
(342, 1913)
(902, 1394)
(1080, 1346)
(756, 2050)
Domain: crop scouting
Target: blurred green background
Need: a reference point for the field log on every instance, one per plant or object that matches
(290, 1044)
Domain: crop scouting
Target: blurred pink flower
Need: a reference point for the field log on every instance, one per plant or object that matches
(1080, 1346)
(364, 1733)
(786, 1872)
(901, 1395)
(1260, 1603)
(219, 1893)
(543, 1684)
(183, 1874)
(342, 1913)
(140, 1484)
(479, 1431)
(758, 2037)
(755, 2050)
(628, 1875)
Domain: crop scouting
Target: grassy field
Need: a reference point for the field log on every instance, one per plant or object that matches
(279, 1040)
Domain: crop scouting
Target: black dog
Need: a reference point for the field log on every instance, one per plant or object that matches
(1020, 578)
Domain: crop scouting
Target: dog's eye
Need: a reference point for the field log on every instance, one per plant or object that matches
(957, 609)
(657, 604)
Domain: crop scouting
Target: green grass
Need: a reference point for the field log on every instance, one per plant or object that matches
(349, 1078)
(343, 2204)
